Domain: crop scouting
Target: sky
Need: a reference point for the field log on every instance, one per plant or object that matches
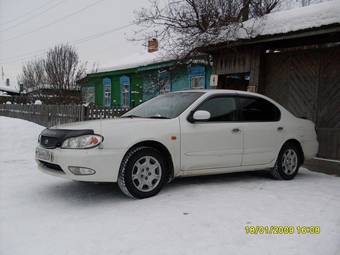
(28, 28)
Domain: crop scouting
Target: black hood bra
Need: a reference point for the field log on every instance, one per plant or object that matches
(53, 138)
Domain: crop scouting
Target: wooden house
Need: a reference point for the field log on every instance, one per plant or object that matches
(140, 77)
(293, 57)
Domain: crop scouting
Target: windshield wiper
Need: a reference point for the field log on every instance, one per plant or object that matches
(149, 117)
(158, 117)
(132, 116)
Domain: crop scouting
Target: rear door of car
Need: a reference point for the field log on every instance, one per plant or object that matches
(263, 130)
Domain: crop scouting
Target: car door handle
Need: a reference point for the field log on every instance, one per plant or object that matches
(279, 128)
(236, 130)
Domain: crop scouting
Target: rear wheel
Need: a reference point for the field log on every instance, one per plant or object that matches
(142, 173)
(288, 163)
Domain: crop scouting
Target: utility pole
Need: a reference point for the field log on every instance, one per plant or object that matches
(2, 73)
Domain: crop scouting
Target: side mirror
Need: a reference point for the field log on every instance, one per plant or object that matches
(201, 115)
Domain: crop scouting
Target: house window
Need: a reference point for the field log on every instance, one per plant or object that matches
(88, 94)
(107, 92)
(125, 95)
(125, 91)
(107, 96)
(197, 82)
(165, 87)
(164, 82)
(197, 76)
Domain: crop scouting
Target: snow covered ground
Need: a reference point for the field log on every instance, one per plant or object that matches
(40, 214)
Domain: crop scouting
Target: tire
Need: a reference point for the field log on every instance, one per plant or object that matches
(288, 162)
(143, 172)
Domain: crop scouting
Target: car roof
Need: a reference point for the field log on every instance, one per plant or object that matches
(220, 91)
(209, 92)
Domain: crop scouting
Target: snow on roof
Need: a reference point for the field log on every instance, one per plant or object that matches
(281, 22)
(6, 88)
(136, 60)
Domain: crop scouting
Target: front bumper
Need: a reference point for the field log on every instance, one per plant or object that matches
(105, 162)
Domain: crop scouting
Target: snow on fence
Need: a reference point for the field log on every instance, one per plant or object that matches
(51, 115)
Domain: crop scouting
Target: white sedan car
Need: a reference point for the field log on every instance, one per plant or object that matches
(178, 134)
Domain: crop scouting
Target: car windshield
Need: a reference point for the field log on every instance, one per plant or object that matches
(166, 106)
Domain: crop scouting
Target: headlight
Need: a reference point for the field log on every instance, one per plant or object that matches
(82, 142)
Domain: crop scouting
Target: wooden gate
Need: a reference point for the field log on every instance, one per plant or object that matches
(307, 82)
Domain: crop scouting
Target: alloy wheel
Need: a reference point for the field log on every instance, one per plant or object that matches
(146, 173)
(289, 161)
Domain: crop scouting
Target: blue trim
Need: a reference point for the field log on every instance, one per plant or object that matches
(124, 80)
(197, 70)
(107, 85)
(165, 75)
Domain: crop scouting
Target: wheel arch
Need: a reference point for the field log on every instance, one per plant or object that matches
(298, 145)
(162, 149)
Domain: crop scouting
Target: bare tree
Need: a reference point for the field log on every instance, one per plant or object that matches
(181, 25)
(58, 73)
(158, 81)
(63, 68)
(161, 80)
(94, 68)
(33, 75)
(263, 7)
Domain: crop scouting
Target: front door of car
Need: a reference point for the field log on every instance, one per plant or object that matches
(263, 131)
(213, 143)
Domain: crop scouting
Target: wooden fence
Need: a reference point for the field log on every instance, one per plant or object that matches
(51, 115)
(95, 112)
(45, 115)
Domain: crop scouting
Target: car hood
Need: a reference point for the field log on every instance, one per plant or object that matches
(123, 133)
(99, 126)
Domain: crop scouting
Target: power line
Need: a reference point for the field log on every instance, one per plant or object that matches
(22, 59)
(100, 34)
(22, 56)
(36, 54)
(34, 16)
(53, 22)
(75, 42)
(27, 13)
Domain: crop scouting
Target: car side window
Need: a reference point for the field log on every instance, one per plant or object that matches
(221, 108)
(258, 109)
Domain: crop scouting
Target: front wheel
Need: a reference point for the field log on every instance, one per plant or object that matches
(288, 163)
(142, 173)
